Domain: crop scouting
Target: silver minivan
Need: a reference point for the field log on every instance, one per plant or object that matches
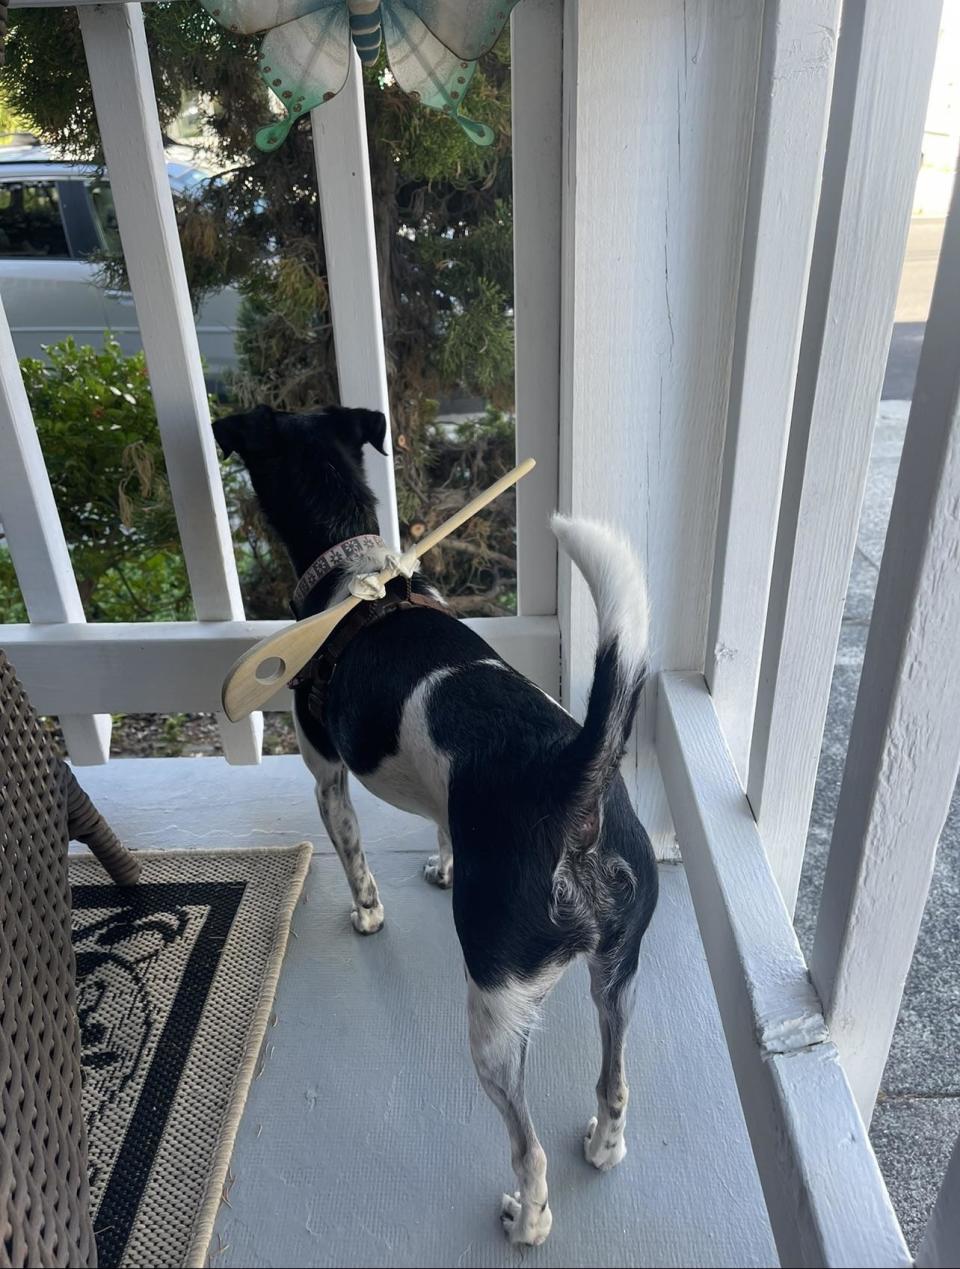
(55, 216)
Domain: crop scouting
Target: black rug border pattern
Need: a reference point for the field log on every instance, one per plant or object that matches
(114, 1219)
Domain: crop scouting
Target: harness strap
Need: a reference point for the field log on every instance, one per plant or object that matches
(318, 672)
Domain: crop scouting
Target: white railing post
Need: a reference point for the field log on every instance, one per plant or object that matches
(870, 168)
(353, 278)
(536, 58)
(31, 525)
(904, 751)
(790, 130)
(658, 108)
(120, 76)
(825, 1196)
(940, 1248)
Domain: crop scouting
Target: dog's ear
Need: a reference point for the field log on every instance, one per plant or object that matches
(241, 433)
(365, 427)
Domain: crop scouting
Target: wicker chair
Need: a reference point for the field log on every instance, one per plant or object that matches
(44, 1208)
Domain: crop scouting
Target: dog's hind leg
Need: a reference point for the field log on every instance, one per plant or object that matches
(500, 1023)
(438, 869)
(611, 986)
(340, 821)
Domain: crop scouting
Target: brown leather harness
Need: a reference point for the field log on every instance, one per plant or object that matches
(319, 670)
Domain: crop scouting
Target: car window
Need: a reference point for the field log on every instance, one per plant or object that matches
(30, 220)
(101, 195)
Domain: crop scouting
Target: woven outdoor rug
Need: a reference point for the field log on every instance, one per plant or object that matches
(175, 984)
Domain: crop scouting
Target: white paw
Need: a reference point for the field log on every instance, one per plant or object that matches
(437, 875)
(528, 1225)
(603, 1154)
(367, 920)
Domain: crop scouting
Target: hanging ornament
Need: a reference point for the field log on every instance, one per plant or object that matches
(432, 49)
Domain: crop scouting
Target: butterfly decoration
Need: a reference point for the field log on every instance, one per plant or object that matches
(432, 49)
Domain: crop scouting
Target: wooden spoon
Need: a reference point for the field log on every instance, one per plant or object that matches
(255, 677)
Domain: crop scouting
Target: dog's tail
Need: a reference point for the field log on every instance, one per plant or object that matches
(615, 577)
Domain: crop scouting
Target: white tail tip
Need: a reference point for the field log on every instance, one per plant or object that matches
(615, 576)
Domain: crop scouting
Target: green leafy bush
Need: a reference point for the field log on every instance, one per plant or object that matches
(98, 431)
(97, 428)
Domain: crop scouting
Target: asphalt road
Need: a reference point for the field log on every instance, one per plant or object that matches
(913, 302)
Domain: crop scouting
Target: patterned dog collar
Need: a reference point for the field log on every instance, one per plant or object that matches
(337, 557)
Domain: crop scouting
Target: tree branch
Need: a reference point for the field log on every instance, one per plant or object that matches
(481, 553)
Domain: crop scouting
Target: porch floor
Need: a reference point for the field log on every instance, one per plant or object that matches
(367, 1140)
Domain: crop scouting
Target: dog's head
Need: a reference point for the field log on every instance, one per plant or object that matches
(307, 471)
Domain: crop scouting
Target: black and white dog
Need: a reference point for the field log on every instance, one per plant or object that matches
(536, 833)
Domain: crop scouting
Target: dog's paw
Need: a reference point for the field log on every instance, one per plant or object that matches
(436, 874)
(528, 1225)
(603, 1154)
(367, 920)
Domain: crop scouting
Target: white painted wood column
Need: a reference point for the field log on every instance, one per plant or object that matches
(658, 121)
(904, 752)
(873, 152)
(119, 64)
(940, 1248)
(794, 89)
(537, 94)
(31, 525)
(350, 249)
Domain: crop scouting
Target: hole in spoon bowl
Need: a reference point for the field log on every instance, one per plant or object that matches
(271, 670)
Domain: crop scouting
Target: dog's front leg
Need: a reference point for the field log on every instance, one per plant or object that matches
(438, 869)
(340, 821)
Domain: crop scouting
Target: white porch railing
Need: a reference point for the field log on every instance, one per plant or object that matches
(805, 1058)
(741, 487)
(179, 666)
